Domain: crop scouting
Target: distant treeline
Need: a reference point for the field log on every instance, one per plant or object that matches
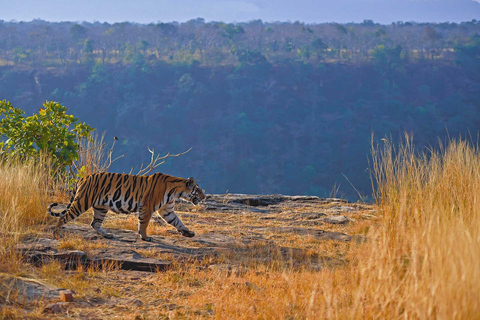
(45, 44)
(268, 107)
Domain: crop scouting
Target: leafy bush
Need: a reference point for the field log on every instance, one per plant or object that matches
(51, 131)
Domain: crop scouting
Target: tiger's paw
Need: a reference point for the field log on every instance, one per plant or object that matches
(187, 233)
(103, 233)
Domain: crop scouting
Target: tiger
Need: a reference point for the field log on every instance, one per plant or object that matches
(127, 193)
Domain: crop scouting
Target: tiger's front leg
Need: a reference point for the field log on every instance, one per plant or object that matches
(143, 219)
(171, 217)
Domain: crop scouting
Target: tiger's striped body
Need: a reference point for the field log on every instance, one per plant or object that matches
(126, 193)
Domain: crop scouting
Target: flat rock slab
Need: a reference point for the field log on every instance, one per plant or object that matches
(266, 200)
(312, 215)
(216, 239)
(276, 213)
(124, 259)
(128, 260)
(319, 234)
(44, 250)
(27, 289)
(261, 204)
(336, 219)
(71, 258)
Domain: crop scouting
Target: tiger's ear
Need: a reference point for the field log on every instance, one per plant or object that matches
(190, 182)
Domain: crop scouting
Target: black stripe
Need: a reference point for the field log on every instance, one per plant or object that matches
(101, 187)
(92, 190)
(85, 195)
(109, 185)
(117, 193)
(127, 195)
(174, 219)
(105, 178)
(134, 182)
(115, 178)
(96, 181)
(170, 194)
(156, 181)
(140, 187)
(97, 220)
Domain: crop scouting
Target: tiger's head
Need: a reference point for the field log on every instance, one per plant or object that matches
(193, 192)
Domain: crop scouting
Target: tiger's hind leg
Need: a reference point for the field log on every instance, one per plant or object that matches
(99, 213)
(74, 210)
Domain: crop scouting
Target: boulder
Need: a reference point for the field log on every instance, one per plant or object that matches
(66, 295)
(336, 219)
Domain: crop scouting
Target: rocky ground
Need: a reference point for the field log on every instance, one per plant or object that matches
(235, 234)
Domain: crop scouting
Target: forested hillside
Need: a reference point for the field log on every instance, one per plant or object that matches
(268, 107)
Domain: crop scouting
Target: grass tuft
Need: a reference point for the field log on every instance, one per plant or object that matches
(24, 195)
(424, 260)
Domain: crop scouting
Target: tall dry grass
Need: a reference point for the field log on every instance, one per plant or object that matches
(28, 186)
(24, 196)
(424, 260)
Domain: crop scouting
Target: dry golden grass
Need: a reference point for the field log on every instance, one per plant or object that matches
(260, 293)
(423, 262)
(75, 242)
(24, 196)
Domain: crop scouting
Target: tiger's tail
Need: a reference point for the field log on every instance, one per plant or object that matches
(61, 214)
(55, 214)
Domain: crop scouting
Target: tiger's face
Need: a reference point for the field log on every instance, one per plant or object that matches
(194, 193)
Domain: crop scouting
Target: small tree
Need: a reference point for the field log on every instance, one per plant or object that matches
(51, 131)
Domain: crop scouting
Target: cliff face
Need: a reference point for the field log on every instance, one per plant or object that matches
(290, 129)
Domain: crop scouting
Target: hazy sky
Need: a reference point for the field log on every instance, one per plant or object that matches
(146, 11)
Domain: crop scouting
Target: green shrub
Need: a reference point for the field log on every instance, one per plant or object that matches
(51, 131)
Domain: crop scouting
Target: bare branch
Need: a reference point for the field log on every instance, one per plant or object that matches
(93, 148)
(156, 161)
(95, 159)
(109, 161)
